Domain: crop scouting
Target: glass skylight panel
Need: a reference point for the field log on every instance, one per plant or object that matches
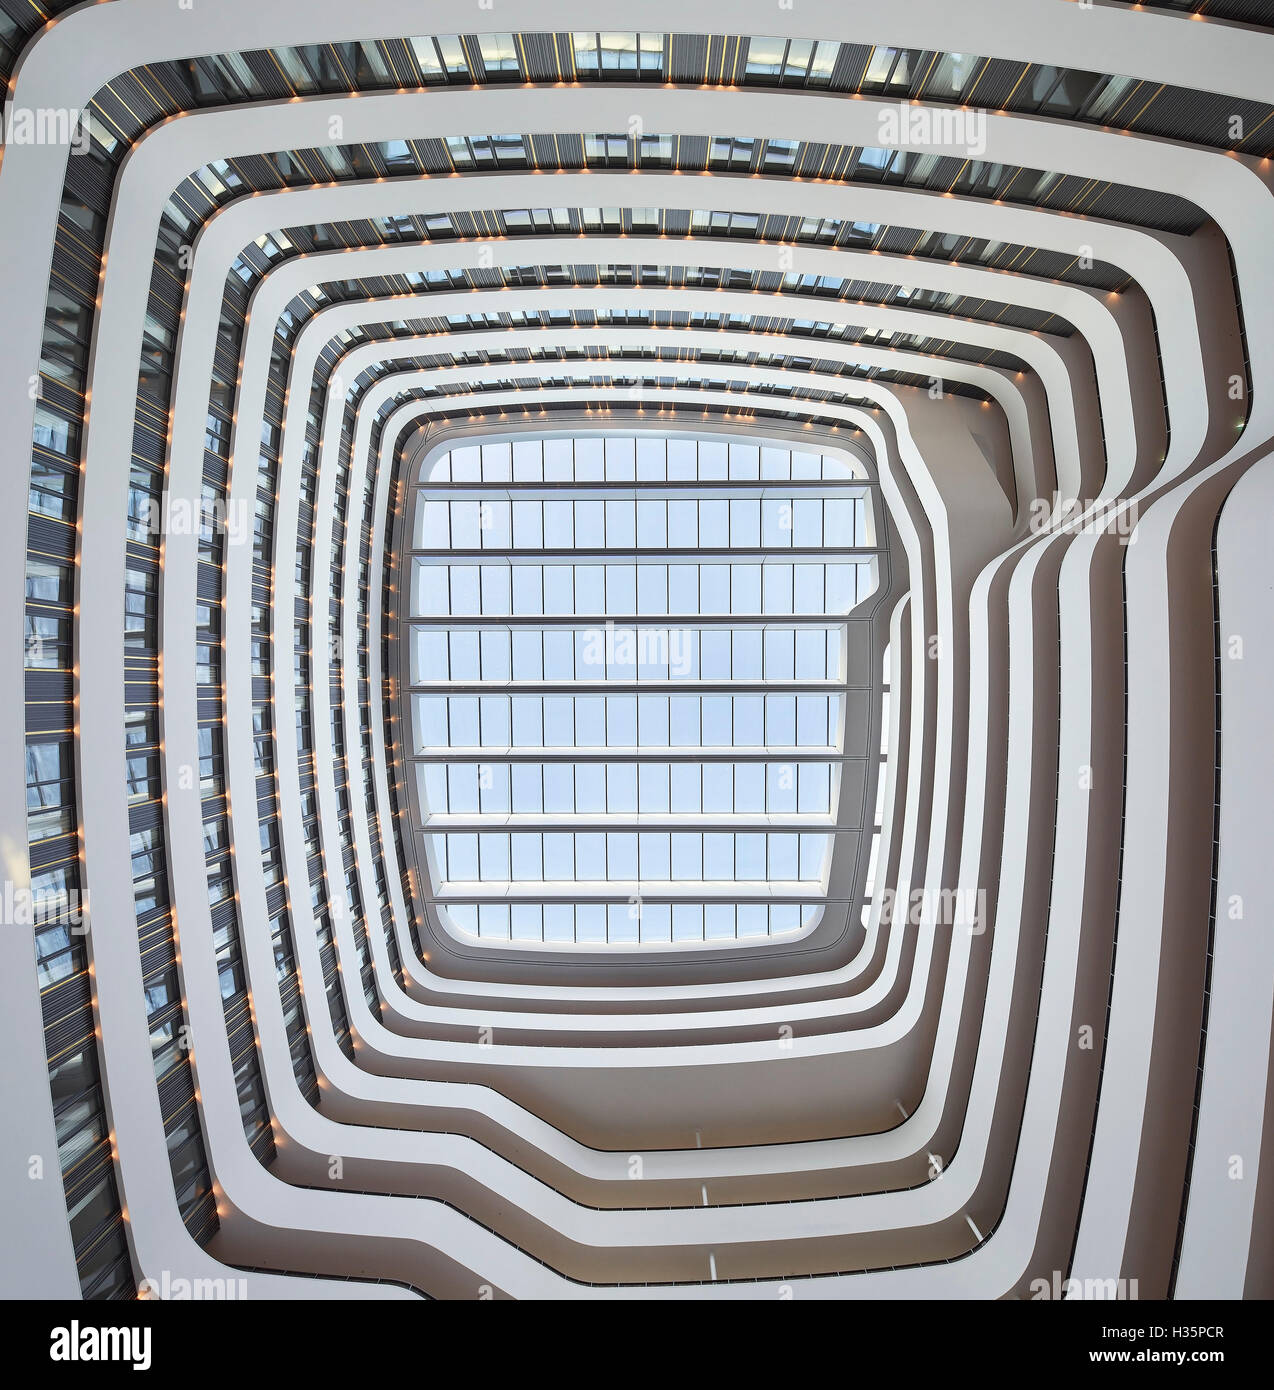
(629, 682)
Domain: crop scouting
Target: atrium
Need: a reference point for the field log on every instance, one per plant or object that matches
(640, 661)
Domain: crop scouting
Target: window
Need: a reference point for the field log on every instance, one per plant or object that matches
(891, 69)
(730, 152)
(606, 149)
(950, 76)
(803, 62)
(618, 53)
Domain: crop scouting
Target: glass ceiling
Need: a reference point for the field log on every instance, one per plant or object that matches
(628, 686)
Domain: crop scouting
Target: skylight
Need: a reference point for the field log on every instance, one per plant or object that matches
(630, 679)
